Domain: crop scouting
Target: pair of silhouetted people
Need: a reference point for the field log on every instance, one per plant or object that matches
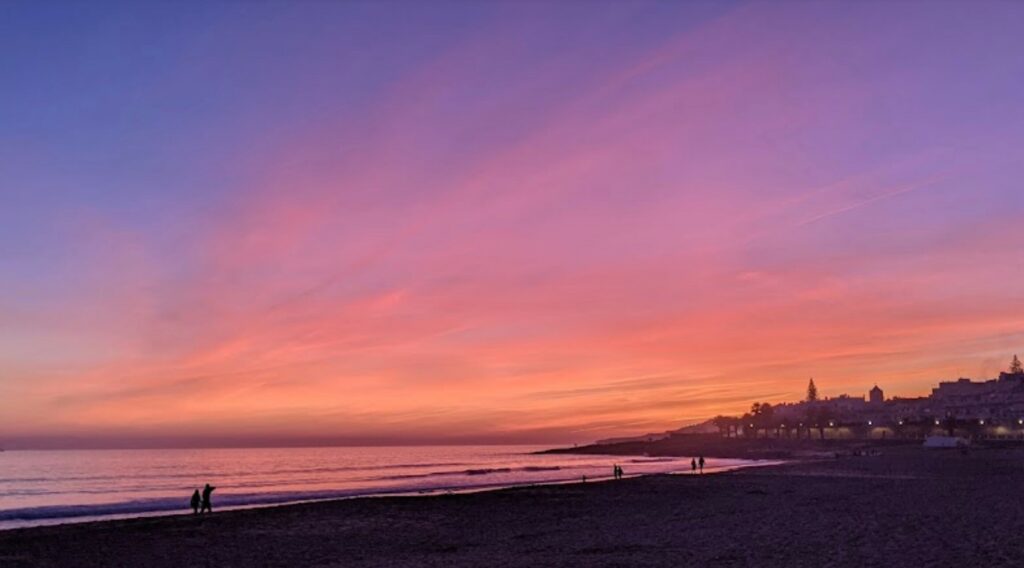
(617, 471)
(694, 464)
(202, 504)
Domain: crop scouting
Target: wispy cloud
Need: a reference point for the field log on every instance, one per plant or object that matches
(641, 216)
(901, 190)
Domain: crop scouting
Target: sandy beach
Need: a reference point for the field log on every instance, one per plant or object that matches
(906, 506)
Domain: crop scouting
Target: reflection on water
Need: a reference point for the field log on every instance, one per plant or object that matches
(57, 486)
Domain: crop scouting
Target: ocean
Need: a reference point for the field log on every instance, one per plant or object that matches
(50, 487)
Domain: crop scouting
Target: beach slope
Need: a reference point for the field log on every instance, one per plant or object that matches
(907, 507)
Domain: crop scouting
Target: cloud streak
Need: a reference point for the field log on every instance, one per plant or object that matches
(514, 224)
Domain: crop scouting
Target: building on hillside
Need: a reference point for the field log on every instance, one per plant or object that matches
(900, 408)
(995, 399)
(990, 409)
(845, 404)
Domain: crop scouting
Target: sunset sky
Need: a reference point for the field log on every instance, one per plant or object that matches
(419, 222)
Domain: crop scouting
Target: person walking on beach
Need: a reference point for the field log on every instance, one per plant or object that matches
(701, 464)
(620, 471)
(195, 502)
(693, 465)
(207, 506)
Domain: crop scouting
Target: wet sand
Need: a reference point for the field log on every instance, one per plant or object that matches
(906, 507)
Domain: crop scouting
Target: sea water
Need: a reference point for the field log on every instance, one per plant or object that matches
(48, 487)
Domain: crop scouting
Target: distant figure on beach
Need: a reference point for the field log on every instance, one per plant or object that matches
(584, 479)
(207, 506)
(195, 502)
(701, 464)
(693, 465)
(620, 471)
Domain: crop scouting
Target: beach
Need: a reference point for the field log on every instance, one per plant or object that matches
(906, 506)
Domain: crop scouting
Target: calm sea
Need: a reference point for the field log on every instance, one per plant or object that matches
(47, 487)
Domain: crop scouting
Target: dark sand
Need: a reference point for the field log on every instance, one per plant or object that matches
(908, 507)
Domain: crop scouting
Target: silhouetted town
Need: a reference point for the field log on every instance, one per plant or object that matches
(991, 409)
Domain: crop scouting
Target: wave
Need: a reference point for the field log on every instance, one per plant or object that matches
(192, 475)
(268, 482)
(486, 471)
(431, 483)
(241, 500)
(165, 506)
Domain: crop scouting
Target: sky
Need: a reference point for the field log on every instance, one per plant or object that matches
(486, 222)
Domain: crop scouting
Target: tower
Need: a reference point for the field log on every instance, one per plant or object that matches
(876, 395)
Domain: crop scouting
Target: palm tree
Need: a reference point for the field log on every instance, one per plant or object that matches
(762, 414)
(749, 427)
(734, 426)
(722, 422)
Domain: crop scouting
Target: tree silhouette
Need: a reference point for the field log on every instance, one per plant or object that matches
(812, 392)
(723, 423)
(820, 417)
(747, 421)
(1015, 366)
(762, 414)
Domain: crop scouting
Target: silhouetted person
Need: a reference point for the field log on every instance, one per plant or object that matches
(701, 464)
(207, 506)
(620, 471)
(195, 502)
(693, 465)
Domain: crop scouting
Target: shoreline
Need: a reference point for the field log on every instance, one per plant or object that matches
(716, 446)
(904, 506)
(29, 524)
